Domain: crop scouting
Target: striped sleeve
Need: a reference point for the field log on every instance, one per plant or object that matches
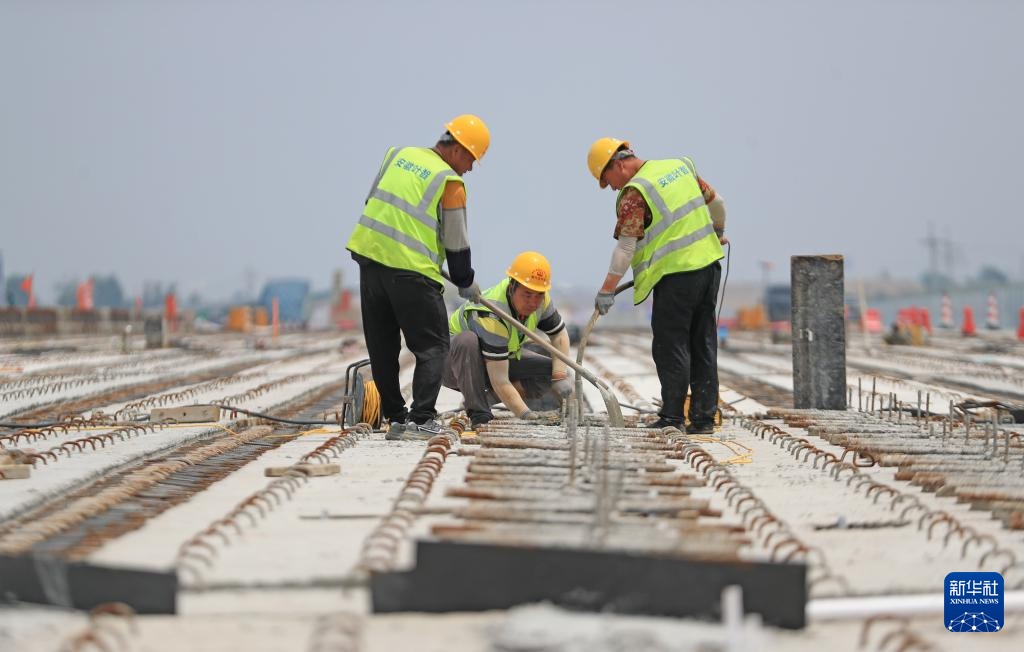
(550, 321)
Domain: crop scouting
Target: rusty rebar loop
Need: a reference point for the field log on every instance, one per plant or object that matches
(979, 539)
(794, 442)
(997, 552)
(735, 487)
(251, 501)
(917, 504)
(808, 451)
(965, 532)
(788, 540)
(944, 518)
(189, 553)
(768, 518)
(742, 491)
(229, 520)
(881, 488)
(758, 504)
(830, 459)
(865, 629)
(843, 466)
(862, 480)
(782, 529)
(198, 541)
(739, 503)
(897, 499)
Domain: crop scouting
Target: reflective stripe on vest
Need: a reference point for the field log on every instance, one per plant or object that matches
(498, 295)
(681, 237)
(402, 210)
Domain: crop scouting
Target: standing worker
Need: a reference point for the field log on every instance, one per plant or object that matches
(671, 227)
(414, 218)
(487, 353)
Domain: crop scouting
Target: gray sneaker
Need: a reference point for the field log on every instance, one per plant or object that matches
(396, 429)
(425, 430)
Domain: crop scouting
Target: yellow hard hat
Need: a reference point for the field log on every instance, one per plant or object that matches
(600, 153)
(472, 133)
(532, 270)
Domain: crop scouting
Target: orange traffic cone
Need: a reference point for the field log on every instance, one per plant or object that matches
(1020, 329)
(968, 329)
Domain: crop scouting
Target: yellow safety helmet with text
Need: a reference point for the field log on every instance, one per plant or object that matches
(601, 153)
(532, 270)
(472, 133)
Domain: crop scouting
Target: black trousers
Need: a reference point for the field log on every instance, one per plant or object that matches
(685, 346)
(397, 301)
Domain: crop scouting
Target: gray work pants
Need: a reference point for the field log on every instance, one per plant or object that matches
(466, 373)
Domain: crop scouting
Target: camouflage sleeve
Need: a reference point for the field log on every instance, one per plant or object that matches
(632, 212)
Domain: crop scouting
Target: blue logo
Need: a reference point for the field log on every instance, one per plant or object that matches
(974, 602)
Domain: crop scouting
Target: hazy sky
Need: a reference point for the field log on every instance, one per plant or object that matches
(189, 141)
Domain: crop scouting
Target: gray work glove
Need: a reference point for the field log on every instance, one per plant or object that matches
(471, 292)
(603, 302)
(563, 388)
(530, 415)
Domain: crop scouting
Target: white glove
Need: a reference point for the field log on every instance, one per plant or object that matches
(603, 302)
(471, 292)
(562, 387)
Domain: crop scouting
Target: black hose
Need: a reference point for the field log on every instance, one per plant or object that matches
(261, 415)
(638, 409)
(32, 425)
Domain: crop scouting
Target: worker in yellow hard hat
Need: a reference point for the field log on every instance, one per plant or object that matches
(413, 220)
(670, 226)
(488, 361)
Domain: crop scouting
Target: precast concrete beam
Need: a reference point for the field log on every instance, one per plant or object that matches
(819, 332)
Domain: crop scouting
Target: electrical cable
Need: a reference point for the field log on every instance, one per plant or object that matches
(725, 280)
(371, 404)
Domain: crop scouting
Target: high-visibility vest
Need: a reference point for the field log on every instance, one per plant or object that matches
(400, 226)
(681, 237)
(498, 295)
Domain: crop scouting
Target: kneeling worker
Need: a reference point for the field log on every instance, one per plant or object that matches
(487, 353)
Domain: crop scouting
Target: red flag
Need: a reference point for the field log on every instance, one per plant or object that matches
(84, 295)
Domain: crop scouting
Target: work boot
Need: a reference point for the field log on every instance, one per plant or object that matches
(703, 429)
(665, 423)
(396, 429)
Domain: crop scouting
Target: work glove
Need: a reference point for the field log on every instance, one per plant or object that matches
(603, 301)
(562, 387)
(470, 292)
(530, 415)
